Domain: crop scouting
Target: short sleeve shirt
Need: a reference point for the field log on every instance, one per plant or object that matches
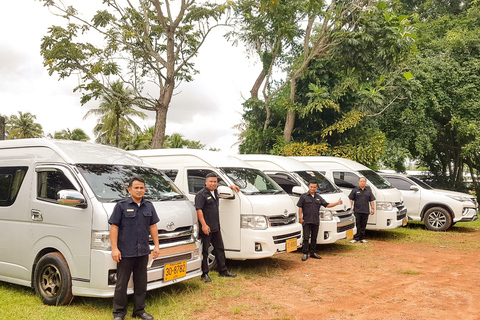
(133, 222)
(208, 203)
(362, 199)
(311, 207)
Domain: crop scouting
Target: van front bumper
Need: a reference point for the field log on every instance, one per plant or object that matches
(388, 219)
(332, 231)
(468, 215)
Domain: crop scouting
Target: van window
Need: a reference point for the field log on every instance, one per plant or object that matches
(375, 179)
(345, 179)
(196, 180)
(49, 182)
(252, 181)
(324, 185)
(172, 174)
(11, 179)
(284, 180)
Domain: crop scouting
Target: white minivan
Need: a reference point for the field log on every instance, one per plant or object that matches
(257, 222)
(56, 197)
(293, 176)
(439, 209)
(390, 211)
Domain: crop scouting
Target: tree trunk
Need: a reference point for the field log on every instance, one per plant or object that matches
(257, 85)
(290, 120)
(158, 138)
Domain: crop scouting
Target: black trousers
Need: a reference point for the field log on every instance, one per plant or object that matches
(361, 223)
(310, 231)
(125, 267)
(214, 238)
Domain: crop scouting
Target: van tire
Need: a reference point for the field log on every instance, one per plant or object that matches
(437, 219)
(52, 280)
(212, 259)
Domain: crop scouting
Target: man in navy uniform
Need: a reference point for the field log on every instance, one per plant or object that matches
(206, 203)
(132, 220)
(309, 216)
(361, 198)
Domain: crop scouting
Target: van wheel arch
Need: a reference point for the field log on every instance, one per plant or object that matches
(52, 280)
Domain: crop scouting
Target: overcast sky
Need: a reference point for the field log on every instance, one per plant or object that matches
(205, 109)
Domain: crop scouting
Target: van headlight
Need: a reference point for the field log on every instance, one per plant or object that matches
(326, 215)
(195, 230)
(254, 222)
(101, 240)
(384, 206)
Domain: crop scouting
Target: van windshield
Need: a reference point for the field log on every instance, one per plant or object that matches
(252, 181)
(324, 185)
(110, 182)
(375, 179)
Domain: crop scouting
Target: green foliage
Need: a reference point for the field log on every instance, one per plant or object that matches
(23, 126)
(176, 140)
(76, 134)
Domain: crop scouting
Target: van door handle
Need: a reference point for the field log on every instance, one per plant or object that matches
(36, 215)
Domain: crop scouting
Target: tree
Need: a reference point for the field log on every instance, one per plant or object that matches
(76, 134)
(144, 44)
(23, 126)
(176, 140)
(115, 113)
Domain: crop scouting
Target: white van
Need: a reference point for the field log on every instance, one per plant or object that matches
(293, 176)
(390, 210)
(439, 209)
(56, 197)
(257, 222)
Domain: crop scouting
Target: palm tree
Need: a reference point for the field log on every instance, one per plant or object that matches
(77, 134)
(23, 126)
(115, 110)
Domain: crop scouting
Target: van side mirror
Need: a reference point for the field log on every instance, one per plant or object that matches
(225, 192)
(71, 198)
(414, 188)
(297, 191)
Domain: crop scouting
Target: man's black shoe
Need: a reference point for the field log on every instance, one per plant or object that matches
(143, 316)
(227, 274)
(206, 278)
(304, 257)
(316, 256)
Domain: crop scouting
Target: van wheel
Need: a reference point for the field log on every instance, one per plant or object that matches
(437, 219)
(52, 280)
(211, 260)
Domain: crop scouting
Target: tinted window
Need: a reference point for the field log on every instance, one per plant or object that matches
(345, 179)
(284, 180)
(420, 183)
(375, 179)
(11, 179)
(110, 182)
(399, 183)
(172, 174)
(196, 180)
(50, 181)
(324, 185)
(252, 181)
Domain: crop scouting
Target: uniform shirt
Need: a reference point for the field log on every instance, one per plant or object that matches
(311, 207)
(133, 223)
(362, 199)
(205, 201)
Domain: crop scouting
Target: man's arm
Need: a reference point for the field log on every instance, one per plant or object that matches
(116, 254)
(201, 218)
(335, 203)
(372, 205)
(300, 215)
(154, 234)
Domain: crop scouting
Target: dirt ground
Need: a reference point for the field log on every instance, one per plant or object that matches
(382, 279)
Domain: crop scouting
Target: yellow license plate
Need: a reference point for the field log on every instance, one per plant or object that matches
(404, 222)
(175, 270)
(291, 244)
(350, 234)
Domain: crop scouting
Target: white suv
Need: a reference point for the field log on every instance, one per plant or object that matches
(439, 209)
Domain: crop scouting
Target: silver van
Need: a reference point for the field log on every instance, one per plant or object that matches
(55, 200)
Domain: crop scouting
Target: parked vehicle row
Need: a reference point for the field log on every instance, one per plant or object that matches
(56, 197)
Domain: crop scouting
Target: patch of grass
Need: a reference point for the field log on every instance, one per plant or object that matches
(409, 272)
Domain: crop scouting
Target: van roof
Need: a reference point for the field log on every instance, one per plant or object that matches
(76, 151)
(211, 158)
(353, 165)
(274, 162)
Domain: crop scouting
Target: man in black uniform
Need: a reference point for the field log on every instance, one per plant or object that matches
(308, 213)
(131, 222)
(206, 203)
(360, 199)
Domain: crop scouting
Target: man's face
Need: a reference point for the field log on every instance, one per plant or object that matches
(211, 183)
(312, 187)
(362, 183)
(137, 190)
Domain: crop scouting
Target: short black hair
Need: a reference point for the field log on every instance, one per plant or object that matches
(211, 175)
(130, 183)
(312, 182)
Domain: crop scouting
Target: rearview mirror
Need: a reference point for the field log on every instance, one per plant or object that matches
(414, 188)
(297, 191)
(225, 192)
(71, 198)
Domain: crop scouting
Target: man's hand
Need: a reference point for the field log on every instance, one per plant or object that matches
(301, 220)
(372, 211)
(206, 229)
(234, 187)
(155, 252)
(116, 255)
(340, 201)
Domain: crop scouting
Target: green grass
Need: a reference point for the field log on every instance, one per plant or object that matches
(186, 299)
